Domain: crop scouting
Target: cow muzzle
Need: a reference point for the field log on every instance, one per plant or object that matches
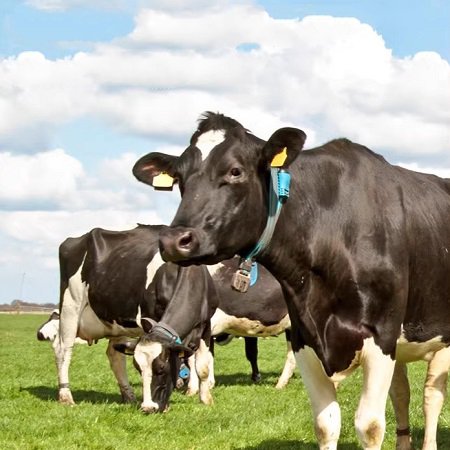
(178, 244)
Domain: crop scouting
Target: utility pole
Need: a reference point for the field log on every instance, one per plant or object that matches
(21, 286)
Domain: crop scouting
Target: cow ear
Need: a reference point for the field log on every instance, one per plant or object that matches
(283, 147)
(157, 170)
(147, 324)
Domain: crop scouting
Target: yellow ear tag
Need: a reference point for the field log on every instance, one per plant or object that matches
(279, 159)
(163, 181)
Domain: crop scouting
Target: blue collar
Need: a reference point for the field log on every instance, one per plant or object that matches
(278, 194)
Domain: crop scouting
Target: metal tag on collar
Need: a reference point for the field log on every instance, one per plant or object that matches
(241, 278)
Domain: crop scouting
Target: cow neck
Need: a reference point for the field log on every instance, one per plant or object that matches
(278, 193)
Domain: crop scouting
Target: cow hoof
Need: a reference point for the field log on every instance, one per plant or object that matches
(127, 399)
(65, 397)
(256, 378)
(150, 409)
(191, 392)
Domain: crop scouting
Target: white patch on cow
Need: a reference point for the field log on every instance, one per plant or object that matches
(152, 268)
(222, 322)
(207, 141)
(214, 268)
(414, 351)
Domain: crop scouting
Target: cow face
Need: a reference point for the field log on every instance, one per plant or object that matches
(49, 330)
(224, 191)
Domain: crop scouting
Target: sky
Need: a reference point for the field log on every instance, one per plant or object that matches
(89, 86)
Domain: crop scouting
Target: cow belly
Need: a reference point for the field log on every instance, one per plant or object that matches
(91, 328)
(415, 351)
(222, 322)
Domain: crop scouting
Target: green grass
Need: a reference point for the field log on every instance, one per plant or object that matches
(244, 416)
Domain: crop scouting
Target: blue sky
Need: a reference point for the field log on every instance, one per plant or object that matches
(86, 87)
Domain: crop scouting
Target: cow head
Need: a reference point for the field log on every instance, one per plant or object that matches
(49, 330)
(223, 177)
(158, 355)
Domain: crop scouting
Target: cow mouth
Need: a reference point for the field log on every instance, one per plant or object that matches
(187, 246)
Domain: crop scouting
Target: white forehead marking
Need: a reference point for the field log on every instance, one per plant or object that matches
(207, 141)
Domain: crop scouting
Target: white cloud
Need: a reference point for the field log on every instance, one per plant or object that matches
(50, 176)
(331, 75)
(439, 171)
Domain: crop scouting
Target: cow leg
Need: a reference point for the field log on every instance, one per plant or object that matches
(289, 365)
(400, 397)
(65, 340)
(194, 383)
(370, 420)
(202, 366)
(118, 363)
(434, 395)
(251, 353)
(322, 394)
(144, 355)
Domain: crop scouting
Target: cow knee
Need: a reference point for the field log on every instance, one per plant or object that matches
(370, 430)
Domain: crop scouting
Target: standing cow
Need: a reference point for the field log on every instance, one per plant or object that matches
(112, 279)
(360, 248)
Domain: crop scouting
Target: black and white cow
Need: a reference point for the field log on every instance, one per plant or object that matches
(112, 279)
(361, 250)
(109, 280)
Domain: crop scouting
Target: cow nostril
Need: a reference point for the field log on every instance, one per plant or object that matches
(185, 241)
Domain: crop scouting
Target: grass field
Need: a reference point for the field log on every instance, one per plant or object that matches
(244, 416)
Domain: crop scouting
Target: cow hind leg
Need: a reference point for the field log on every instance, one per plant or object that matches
(63, 356)
(289, 366)
(322, 394)
(118, 363)
(251, 353)
(194, 383)
(400, 397)
(370, 421)
(202, 366)
(434, 395)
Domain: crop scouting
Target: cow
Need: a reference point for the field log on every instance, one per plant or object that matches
(110, 281)
(359, 246)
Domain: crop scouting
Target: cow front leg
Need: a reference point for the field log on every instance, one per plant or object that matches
(370, 421)
(434, 395)
(322, 394)
(400, 397)
(118, 363)
(144, 355)
(203, 362)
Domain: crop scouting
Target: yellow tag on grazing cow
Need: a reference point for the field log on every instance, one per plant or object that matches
(163, 181)
(279, 159)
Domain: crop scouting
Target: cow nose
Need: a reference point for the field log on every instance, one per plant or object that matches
(177, 244)
(40, 336)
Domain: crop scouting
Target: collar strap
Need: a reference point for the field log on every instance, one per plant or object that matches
(168, 334)
(278, 194)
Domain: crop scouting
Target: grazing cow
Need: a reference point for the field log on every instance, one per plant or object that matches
(109, 280)
(360, 248)
(49, 330)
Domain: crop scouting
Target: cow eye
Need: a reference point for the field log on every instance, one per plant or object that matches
(236, 172)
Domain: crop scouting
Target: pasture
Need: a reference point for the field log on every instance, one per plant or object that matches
(244, 416)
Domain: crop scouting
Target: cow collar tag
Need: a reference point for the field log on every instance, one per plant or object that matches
(278, 194)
